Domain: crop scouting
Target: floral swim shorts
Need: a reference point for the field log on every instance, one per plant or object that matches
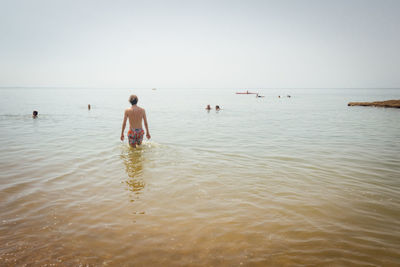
(135, 136)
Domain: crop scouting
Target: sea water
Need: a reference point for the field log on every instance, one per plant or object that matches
(304, 180)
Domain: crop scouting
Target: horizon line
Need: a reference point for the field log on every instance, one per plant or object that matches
(237, 88)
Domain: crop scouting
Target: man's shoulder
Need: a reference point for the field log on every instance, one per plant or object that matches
(134, 109)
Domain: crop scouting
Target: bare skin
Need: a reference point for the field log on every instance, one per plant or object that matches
(135, 115)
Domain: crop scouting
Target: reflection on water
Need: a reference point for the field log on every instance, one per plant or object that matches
(133, 161)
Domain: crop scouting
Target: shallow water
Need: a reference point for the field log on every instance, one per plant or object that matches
(304, 180)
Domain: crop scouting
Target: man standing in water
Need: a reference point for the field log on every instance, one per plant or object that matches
(136, 115)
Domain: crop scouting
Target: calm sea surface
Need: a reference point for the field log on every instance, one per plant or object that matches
(271, 181)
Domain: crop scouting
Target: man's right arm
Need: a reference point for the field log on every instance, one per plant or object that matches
(146, 125)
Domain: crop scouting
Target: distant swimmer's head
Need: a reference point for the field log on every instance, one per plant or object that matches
(208, 107)
(133, 99)
(34, 114)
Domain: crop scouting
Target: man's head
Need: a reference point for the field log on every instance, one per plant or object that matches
(35, 113)
(133, 99)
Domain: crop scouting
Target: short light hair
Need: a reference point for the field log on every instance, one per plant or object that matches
(133, 99)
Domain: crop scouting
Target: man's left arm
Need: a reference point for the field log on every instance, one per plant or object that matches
(123, 126)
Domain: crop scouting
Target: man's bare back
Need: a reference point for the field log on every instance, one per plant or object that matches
(135, 115)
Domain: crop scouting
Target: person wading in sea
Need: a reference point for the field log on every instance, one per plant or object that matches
(136, 115)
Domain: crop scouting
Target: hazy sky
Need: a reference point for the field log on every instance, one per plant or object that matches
(196, 44)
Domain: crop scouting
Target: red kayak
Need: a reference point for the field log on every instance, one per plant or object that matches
(245, 93)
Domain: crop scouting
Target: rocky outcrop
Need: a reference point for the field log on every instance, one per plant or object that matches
(386, 104)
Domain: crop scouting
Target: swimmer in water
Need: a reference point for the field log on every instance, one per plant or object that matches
(208, 107)
(135, 115)
(35, 114)
(217, 108)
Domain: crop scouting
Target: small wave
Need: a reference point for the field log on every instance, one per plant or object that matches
(145, 145)
(150, 144)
